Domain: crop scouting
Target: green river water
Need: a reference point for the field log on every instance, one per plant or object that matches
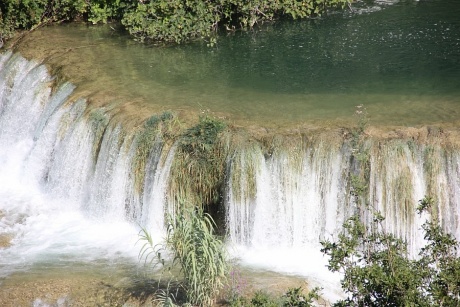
(402, 61)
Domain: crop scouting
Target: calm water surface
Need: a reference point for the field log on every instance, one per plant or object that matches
(402, 61)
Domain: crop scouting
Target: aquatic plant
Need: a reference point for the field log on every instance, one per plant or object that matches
(199, 254)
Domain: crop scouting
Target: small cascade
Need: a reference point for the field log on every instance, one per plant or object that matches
(299, 201)
(67, 172)
(298, 198)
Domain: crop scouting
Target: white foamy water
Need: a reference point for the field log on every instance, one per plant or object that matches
(61, 200)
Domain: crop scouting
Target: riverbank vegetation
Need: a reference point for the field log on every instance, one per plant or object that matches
(172, 21)
(378, 270)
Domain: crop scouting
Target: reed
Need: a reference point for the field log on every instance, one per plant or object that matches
(199, 254)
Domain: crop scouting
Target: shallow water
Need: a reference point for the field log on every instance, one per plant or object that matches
(402, 61)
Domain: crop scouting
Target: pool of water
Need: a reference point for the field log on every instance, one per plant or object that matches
(401, 60)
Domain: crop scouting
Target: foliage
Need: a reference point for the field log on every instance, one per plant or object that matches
(27, 14)
(102, 11)
(377, 270)
(172, 21)
(197, 171)
(181, 20)
(165, 298)
(263, 299)
(199, 140)
(167, 21)
(294, 297)
(198, 253)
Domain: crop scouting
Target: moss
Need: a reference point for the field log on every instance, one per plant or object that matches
(151, 132)
(98, 120)
(76, 110)
(433, 164)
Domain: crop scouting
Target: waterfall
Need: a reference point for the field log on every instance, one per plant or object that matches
(298, 203)
(67, 184)
(295, 202)
(76, 179)
(296, 198)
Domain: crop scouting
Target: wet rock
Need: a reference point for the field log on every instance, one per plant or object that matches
(5, 240)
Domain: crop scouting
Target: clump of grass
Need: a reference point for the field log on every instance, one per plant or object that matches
(198, 141)
(198, 169)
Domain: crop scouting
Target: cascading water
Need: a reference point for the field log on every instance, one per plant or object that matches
(303, 197)
(71, 190)
(67, 189)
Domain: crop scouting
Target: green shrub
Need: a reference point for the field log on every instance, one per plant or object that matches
(377, 270)
(295, 297)
(182, 20)
(263, 299)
